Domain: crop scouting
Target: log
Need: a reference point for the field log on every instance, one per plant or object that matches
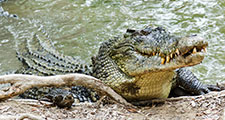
(20, 83)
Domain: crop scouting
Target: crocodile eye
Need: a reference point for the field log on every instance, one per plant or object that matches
(130, 31)
(145, 32)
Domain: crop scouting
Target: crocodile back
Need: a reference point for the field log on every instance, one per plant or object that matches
(36, 51)
(40, 57)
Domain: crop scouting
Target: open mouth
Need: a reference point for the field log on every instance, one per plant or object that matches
(195, 50)
(188, 51)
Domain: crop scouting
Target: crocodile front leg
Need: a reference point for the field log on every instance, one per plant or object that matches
(190, 83)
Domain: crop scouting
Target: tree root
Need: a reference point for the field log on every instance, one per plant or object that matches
(20, 83)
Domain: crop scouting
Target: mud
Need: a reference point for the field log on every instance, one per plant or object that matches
(206, 107)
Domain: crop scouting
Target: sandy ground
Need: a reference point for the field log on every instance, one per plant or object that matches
(208, 107)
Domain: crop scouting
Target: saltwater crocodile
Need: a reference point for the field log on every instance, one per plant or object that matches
(140, 65)
(146, 64)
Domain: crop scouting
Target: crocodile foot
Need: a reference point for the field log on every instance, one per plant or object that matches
(208, 88)
(203, 89)
(60, 97)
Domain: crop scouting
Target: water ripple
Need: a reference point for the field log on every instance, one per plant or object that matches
(78, 25)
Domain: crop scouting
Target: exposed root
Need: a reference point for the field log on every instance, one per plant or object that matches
(208, 106)
(20, 83)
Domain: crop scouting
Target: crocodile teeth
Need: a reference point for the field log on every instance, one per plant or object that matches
(160, 54)
(171, 55)
(153, 53)
(178, 52)
(204, 48)
(194, 50)
(167, 59)
(163, 60)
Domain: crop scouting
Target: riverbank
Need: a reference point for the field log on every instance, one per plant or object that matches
(205, 107)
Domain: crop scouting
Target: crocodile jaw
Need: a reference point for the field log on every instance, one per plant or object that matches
(147, 86)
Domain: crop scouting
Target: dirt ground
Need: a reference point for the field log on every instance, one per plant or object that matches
(206, 107)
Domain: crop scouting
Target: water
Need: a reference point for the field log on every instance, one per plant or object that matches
(77, 27)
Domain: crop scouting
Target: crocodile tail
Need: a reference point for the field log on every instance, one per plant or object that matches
(38, 54)
(35, 50)
(40, 57)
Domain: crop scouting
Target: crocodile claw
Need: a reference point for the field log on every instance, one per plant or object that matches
(207, 88)
(59, 97)
(63, 101)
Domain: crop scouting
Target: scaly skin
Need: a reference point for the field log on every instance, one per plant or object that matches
(41, 58)
(141, 65)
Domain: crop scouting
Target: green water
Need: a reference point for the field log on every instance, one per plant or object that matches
(77, 27)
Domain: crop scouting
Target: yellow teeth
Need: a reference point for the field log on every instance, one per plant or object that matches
(171, 55)
(194, 50)
(153, 53)
(204, 48)
(163, 60)
(160, 54)
(167, 59)
(178, 52)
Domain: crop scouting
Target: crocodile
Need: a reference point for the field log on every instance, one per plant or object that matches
(149, 63)
(140, 65)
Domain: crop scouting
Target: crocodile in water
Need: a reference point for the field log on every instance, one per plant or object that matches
(141, 65)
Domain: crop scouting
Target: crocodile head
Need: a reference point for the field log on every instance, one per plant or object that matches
(140, 65)
(155, 49)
